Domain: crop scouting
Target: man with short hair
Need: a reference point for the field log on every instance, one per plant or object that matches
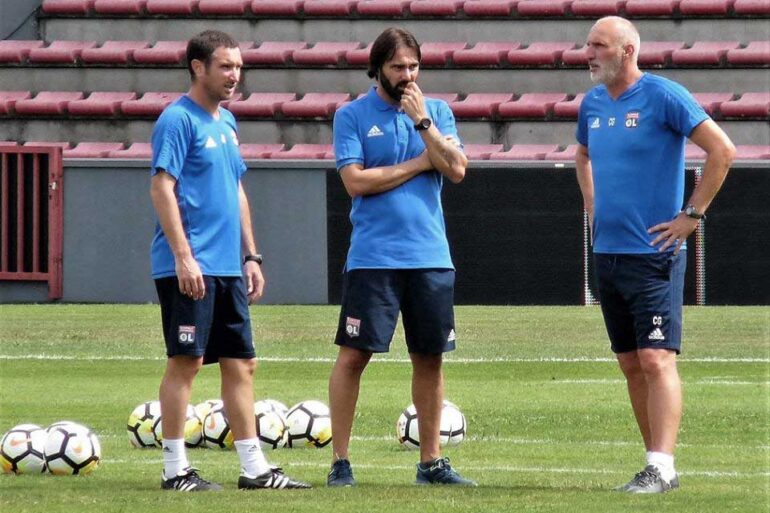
(632, 130)
(202, 250)
(393, 149)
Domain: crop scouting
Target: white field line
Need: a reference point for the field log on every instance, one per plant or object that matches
(295, 359)
(621, 381)
(493, 468)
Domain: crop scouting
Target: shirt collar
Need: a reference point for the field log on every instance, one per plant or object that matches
(379, 103)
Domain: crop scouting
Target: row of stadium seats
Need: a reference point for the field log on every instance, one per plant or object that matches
(754, 105)
(407, 8)
(326, 152)
(354, 54)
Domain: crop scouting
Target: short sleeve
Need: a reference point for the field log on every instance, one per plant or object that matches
(683, 113)
(581, 132)
(170, 142)
(347, 144)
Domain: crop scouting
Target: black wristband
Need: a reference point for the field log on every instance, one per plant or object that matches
(253, 258)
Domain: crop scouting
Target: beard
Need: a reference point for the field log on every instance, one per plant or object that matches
(394, 91)
(608, 71)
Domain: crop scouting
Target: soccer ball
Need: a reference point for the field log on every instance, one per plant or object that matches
(271, 427)
(140, 424)
(271, 405)
(193, 428)
(203, 409)
(216, 430)
(71, 449)
(309, 425)
(21, 450)
(451, 430)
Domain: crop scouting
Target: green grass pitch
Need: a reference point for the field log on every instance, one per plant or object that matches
(550, 426)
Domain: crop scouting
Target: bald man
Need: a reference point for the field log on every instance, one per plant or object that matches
(632, 129)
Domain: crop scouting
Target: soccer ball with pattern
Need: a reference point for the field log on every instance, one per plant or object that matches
(203, 409)
(271, 426)
(21, 450)
(140, 424)
(309, 425)
(193, 428)
(216, 430)
(451, 430)
(271, 405)
(71, 449)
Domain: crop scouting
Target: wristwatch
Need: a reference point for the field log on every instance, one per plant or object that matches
(423, 124)
(253, 258)
(690, 211)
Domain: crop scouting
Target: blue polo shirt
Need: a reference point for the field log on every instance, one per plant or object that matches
(402, 228)
(636, 146)
(202, 154)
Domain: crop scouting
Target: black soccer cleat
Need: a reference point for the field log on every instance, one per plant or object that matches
(273, 479)
(649, 481)
(188, 480)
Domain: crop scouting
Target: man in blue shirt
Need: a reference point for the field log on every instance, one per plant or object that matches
(632, 129)
(204, 229)
(393, 149)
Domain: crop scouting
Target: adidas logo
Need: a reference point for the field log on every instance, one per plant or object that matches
(211, 143)
(656, 334)
(596, 123)
(374, 131)
(452, 337)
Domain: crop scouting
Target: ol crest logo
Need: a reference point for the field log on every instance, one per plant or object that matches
(632, 119)
(352, 326)
(186, 334)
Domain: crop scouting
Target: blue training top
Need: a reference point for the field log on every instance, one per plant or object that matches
(402, 228)
(636, 146)
(202, 154)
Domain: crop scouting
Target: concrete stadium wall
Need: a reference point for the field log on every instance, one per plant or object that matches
(18, 19)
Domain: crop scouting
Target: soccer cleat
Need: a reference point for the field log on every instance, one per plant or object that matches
(441, 472)
(188, 480)
(272, 479)
(649, 481)
(341, 474)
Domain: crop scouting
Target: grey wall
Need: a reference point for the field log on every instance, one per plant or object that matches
(18, 19)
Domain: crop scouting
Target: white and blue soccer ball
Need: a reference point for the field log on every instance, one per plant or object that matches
(22, 450)
(71, 449)
(452, 429)
(309, 425)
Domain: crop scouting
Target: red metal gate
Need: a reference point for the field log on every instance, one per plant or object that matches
(31, 215)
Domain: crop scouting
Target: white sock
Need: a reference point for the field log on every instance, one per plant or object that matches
(174, 457)
(253, 462)
(665, 464)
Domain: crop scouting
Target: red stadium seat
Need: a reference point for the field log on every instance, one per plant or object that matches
(693, 152)
(99, 104)
(150, 104)
(752, 7)
(707, 7)
(531, 105)
(447, 97)
(261, 104)
(8, 144)
(484, 54)
(162, 52)
(9, 98)
(171, 6)
(711, 101)
(68, 7)
(305, 152)
(750, 105)
(489, 7)
(359, 57)
(123, 7)
(481, 151)
(657, 53)
(435, 7)
(479, 105)
(568, 108)
(274, 8)
(382, 7)
(315, 105)
(236, 97)
(597, 7)
(323, 53)
(62, 145)
(576, 57)
(750, 152)
(543, 7)
(47, 103)
(60, 52)
(17, 51)
(437, 54)
(272, 52)
(539, 54)
(224, 7)
(755, 53)
(702, 53)
(135, 151)
(260, 151)
(568, 153)
(112, 52)
(90, 150)
(329, 7)
(525, 152)
(651, 7)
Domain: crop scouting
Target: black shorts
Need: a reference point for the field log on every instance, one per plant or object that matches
(215, 326)
(372, 299)
(641, 299)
